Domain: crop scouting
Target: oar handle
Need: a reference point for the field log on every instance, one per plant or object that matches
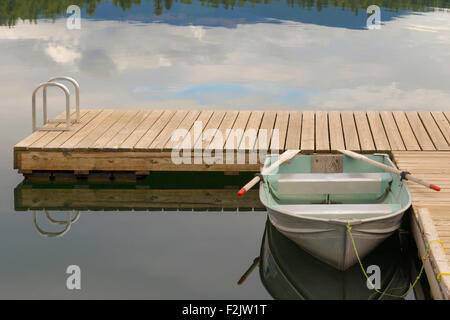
(424, 183)
(249, 185)
(249, 271)
(285, 156)
(408, 176)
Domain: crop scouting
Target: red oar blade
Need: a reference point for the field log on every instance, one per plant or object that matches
(241, 192)
(435, 187)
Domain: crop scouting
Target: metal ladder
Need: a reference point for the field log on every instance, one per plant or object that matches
(68, 120)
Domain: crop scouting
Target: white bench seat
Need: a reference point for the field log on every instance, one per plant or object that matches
(332, 183)
(339, 209)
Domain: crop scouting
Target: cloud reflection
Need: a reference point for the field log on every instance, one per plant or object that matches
(287, 65)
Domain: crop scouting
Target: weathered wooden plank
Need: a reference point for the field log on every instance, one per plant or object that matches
(118, 161)
(64, 136)
(307, 143)
(433, 131)
(379, 135)
(336, 131)
(195, 131)
(35, 136)
(185, 126)
(102, 127)
(221, 135)
(294, 130)
(209, 131)
(419, 131)
(85, 131)
(365, 135)
(51, 135)
(443, 124)
(155, 129)
(350, 133)
(265, 131)
(164, 136)
(405, 131)
(392, 133)
(278, 140)
(125, 132)
(251, 131)
(322, 136)
(142, 129)
(234, 138)
(115, 129)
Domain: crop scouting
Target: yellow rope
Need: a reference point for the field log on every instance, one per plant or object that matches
(349, 228)
(442, 274)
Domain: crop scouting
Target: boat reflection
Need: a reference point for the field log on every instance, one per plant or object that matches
(288, 272)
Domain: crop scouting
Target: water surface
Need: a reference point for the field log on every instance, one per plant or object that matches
(274, 55)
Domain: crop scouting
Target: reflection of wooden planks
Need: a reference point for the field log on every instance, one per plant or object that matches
(137, 140)
(431, 218)
(27, 198)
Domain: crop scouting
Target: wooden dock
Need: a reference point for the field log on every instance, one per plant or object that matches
(140, 141)
(110, 143)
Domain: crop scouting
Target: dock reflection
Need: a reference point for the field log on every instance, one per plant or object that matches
(288, 272)
(159, 192)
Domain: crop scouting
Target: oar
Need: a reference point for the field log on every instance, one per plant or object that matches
(403, 174)
(249, 271)
(285, 156)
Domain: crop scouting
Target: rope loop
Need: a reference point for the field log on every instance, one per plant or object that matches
(384, 293)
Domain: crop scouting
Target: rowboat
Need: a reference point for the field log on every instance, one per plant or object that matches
(288, 272)
(322, 202)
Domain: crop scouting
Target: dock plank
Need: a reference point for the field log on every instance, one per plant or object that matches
(155, 130)
(35, 136)
(116, 128)
(350, 132)
(209, 131)
(419, 131)
(186, 125)
(125, 132)
(250, 136)
(405, 130)
(221, 135)
(234, 138)
(307, 143)
(89, 140)
(141, 130)
(392, 131)
(294, 130)
(164, 136)
(322, 135)
(265, 131)
(278, 140)
(51, 135)
(364, 133)
(433, 131)
(336, 131)
(195, 131)
(443, 124)
(378, 132)
(86, 130)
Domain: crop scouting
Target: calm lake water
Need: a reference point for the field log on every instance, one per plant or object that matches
(253, 55)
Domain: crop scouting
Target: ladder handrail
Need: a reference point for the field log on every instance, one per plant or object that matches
(77, 95)
(45, 85)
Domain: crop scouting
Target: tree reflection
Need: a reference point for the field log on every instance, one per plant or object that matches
(31, 10)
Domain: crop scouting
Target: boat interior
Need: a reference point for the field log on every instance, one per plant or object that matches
(334, 184)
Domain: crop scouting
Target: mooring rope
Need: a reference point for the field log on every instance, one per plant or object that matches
(384, 293)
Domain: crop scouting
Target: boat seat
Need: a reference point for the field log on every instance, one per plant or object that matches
(339, 209)
(332, 183)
